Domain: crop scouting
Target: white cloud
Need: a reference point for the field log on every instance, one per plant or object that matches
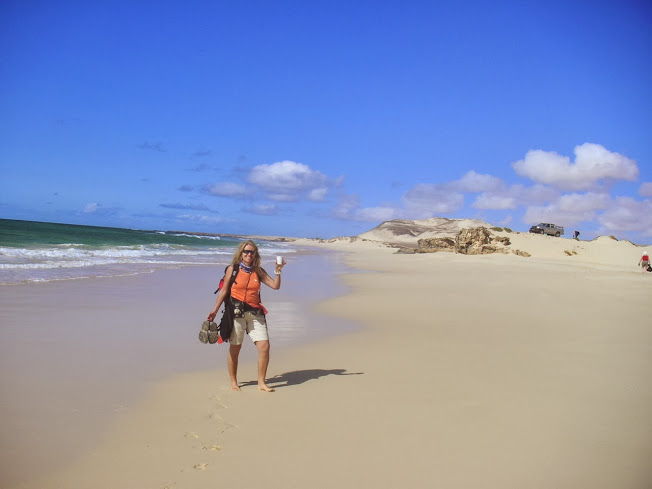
(348, 208)
(645, 190)
(593, 163)
(537, 194)
(190, 207)
(492, 201)
(318, 194)
(287, 177)
(581, 203)
(569, 209)
(515, 196)
(476, 182)
(375, 214)
(202, 219)
(628, 214)
(293, 197)
(427, 200)
(263, 209)
(91, 208)
(284, 181)
(227, 189)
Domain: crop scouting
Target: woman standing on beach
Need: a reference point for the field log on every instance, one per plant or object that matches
(249, 314)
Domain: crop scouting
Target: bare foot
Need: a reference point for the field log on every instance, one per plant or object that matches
(235, 387)
(265, 388)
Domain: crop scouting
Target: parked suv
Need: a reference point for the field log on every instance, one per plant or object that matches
(547, 228)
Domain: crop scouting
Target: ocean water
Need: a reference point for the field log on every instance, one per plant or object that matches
(39, 252)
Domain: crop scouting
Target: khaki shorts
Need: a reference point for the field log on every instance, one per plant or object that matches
(254, 324)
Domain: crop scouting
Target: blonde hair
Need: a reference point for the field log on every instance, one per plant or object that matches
(237, 256)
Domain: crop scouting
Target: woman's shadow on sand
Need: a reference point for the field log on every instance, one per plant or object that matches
(300, 376)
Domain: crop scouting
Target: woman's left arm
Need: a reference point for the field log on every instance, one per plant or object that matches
(274, 283)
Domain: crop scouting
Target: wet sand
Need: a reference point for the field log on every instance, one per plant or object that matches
(76, 355)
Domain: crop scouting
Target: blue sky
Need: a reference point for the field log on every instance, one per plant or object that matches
(321, 119)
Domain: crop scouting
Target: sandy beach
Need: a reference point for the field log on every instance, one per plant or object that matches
(441, 370)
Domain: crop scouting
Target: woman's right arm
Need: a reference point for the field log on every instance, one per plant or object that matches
(221, 296)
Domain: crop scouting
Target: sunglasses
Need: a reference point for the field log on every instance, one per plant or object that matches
(247, 252)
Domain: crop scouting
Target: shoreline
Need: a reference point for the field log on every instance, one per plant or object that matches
(76, 355)
(478, 392)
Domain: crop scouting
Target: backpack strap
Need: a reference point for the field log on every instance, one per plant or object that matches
(234, 274)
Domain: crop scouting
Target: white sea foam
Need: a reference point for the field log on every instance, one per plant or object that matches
(72, 253)
(57, 262)
(197, 236)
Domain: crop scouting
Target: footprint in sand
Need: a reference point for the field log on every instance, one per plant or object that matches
(201, 466)
(192, 436)
(213, 448)
(226, 426)
(220, 404)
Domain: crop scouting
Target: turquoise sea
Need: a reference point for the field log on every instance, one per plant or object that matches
(33, 251)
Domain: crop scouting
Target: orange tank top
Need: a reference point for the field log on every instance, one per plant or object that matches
(246, 288)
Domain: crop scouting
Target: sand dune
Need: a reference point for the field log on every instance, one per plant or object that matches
(605, 251)
(407, 232)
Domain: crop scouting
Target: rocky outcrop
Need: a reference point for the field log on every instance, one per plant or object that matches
(474, 241)
(434, 245)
